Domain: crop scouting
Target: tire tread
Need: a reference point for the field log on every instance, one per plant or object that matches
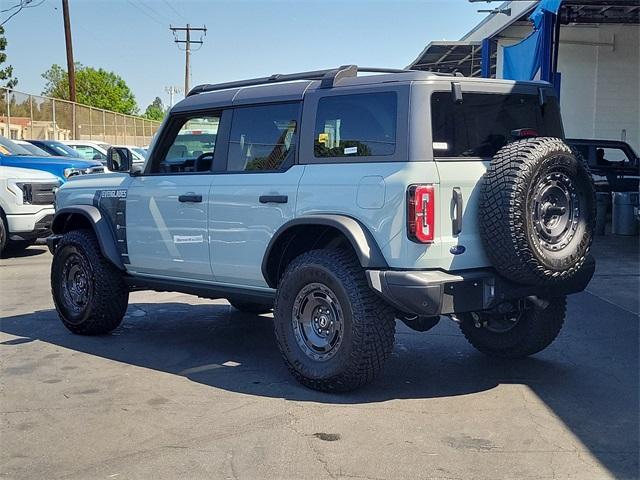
(373, 322)
(110, 294)
(541, 328)
(502, 224)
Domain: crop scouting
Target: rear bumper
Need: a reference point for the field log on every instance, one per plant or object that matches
(435, 292)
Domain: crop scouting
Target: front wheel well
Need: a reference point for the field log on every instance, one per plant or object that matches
(297, 240)
(67, 222)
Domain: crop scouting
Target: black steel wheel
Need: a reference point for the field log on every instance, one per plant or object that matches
(537, 206)
(555, 211)
(88, 291)
(333, 331)
(76, 286)
(318, 321)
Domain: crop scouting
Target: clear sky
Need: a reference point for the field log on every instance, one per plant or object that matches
(244, 39)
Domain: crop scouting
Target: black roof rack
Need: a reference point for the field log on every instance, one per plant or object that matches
(327, 77)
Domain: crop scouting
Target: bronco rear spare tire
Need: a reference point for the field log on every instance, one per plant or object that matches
(537, 205)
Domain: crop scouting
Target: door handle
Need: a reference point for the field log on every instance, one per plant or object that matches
(456, 222)
(274, 198)
(190, 198)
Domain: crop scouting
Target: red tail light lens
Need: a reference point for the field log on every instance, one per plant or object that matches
(421, 213)
(524, 133)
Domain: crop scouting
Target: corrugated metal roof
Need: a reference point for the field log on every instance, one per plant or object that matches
(450, 57)
(465, 55)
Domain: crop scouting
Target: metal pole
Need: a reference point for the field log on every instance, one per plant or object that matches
(53, 116)
(67, 36)
(555, 76)
(31, 113)
(8, 114)
(547, 39)
(486, 58)
(187, 58)
(104, 126)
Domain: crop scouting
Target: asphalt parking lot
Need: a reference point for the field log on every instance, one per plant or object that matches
(189, 388)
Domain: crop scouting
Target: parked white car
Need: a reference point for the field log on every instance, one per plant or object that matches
(138, 154)
(89, 150)
(26, 205)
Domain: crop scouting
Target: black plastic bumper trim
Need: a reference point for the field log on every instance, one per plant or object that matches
(434, 292)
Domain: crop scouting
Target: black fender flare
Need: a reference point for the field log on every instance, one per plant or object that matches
(100, 224)
(365, 246)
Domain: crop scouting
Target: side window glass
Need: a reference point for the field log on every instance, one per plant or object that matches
(608, 156)
(192, 148)
(359, 125)
(97, 155)
(263, 138)
(85, 151)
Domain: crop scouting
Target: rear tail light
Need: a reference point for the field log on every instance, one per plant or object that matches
(421, 213)
(524, 133)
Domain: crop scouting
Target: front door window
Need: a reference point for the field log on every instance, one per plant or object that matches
(192, 148)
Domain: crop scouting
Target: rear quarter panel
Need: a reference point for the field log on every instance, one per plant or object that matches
(373, 194)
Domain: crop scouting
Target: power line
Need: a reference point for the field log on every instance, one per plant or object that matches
(11, 8)
(130, 2)
(157, 13)
(20, 6)
(187, 43)
(174, 9)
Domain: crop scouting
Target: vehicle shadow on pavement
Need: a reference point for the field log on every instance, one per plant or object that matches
(588, 378)
(11, 252)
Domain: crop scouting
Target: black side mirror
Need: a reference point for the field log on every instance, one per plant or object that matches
(119, 159)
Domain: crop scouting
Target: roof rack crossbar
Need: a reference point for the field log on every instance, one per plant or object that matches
(328, 78)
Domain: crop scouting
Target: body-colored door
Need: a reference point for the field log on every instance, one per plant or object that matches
(257, 192)
(167, 226)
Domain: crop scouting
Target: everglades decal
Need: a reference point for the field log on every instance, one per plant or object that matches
(113, 206)
(113, 193)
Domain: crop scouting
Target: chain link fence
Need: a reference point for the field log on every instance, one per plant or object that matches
(25, 116)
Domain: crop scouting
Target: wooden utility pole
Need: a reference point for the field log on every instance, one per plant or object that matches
(187, 42)
(67, 36)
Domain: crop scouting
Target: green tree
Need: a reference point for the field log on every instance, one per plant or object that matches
(155, 110)
(96, 88)
(6, 73)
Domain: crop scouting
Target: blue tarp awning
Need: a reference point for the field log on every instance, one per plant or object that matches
(523, 60)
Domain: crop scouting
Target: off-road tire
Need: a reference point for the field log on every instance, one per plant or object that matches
(108, 295)
(4, 233)
(508, 218)
(369, 324)
(250, 307)
(534, 332)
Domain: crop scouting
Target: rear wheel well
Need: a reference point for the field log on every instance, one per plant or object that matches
(298, 240)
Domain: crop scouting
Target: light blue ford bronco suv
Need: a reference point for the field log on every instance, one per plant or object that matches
(342, 202)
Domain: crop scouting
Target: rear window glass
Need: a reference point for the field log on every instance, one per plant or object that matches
(484, 123)
(359, 125)
(263, 138)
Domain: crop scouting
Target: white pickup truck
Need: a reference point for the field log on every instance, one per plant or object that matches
(26, 205)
